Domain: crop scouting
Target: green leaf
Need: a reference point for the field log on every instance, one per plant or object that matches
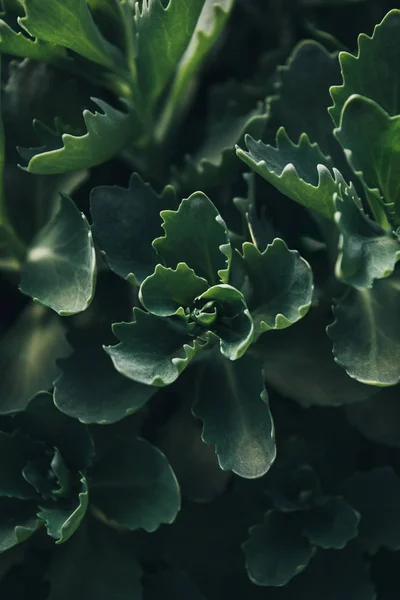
(230, 399)
(16, 450)
(215, 162)
(366, 251)
(35, 333)
(297, 362)
(46, 423)
(382, 51)
(331, 575)
(153, 350)
(17, 522)
(60, 269)
(196, 234)
(133, 485)
(366, 331)
(168, 30)
(302, 97)
(91, 390)
(68, 23)
(95, 564)
(378, 418)
(61, 523)
(292, 488)
(332, 523)
(370, 138)
(125, 223)
(233, 325)
(276, 551)
(168, 290)
(107, 132)
(279, 285)
(300, 171)
(17, 44)
(376, 496)
(209, 27)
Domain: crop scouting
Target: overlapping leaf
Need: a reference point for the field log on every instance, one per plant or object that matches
(373, 73)
(133, 485)
(231, 401)
(366, 333)
(107, 132)
(300, 171)
(60, 268)
(125, 223)
(370, 139)
(280, 285)
(196, 234)
(153, 350)
(367, 252)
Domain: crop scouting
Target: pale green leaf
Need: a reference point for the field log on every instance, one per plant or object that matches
(230, 399)
(60, 270)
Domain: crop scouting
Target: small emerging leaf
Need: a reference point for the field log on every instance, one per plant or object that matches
(168, 290)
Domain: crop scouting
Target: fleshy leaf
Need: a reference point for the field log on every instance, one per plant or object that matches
(68, 23)
(280, 285)
(97, 563)
(366, 251)
(107, 132)
(302, 97)
(15, 451)
(46, 423)
(234, 325)
(378, 418)
(276, 551)
(167, 29)
(36, 333)
(91, 390)
(60, 269)
(376, 496)
(153, 350)
(293, 489)
(230, 399)
(366, 332)
(133, 485)
(17, 44)
(61, 523)
(17, 522)
(370, 137)
(382, 51)
(230, 118)
(208, 28)
(196, 234)
(300, 171)
(125, 223)
(331, 523)
(168, 290)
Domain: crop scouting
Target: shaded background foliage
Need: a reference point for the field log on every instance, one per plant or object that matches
(330, 505)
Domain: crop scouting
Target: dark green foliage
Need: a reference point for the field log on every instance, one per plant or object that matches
(200, 326)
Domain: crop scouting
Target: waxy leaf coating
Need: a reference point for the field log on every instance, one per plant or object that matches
(230, 399)
(61, 264)
(196, 234)
(134, 486)
(280, 285)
